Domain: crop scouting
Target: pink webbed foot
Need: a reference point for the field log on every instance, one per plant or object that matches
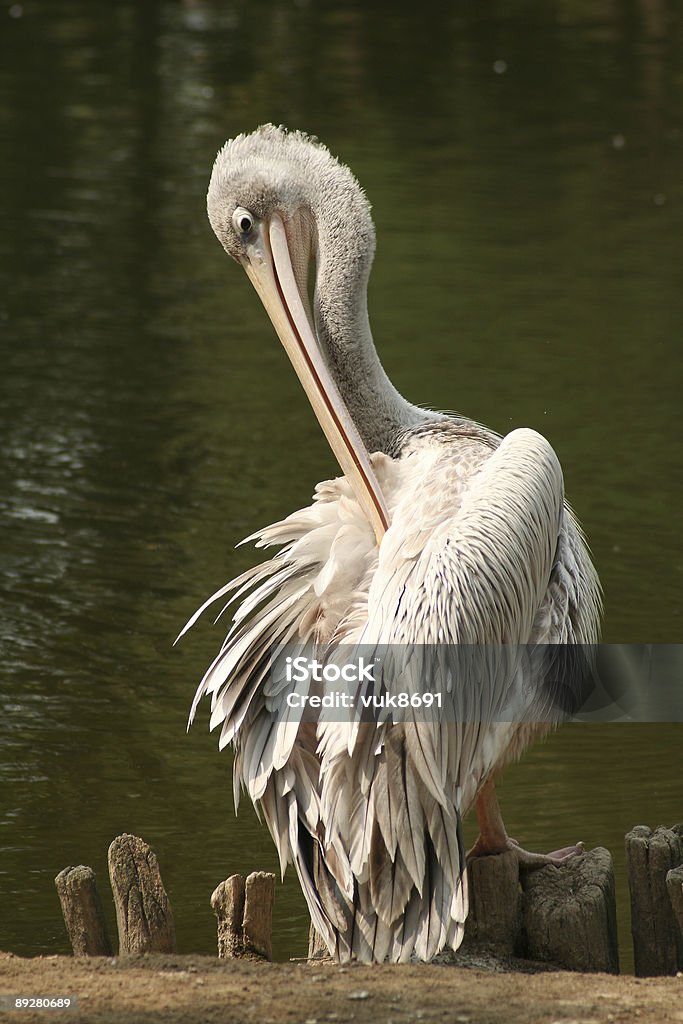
(494, 839)
(526, 858)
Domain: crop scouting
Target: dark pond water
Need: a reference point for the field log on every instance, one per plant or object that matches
(525, 162)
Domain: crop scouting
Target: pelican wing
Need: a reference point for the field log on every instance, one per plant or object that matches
(460, 564)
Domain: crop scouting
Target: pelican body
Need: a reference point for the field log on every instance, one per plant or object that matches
(438, 532)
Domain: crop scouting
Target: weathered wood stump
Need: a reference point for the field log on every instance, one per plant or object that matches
(227, 902)
(570, 913)
(82, 910)
(494, 918)
(244, 912)
(257, 925)
(143, 912)
(650, 856)
(674, 885)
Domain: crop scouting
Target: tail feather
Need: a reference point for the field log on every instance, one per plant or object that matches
(386, 915)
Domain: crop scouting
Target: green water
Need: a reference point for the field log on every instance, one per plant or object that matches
(525, 164)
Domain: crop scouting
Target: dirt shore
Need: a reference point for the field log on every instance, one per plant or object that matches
(196, 989)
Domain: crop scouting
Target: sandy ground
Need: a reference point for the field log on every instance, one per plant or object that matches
(184, 989)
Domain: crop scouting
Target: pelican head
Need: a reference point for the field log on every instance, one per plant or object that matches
(290, 175)
(276, 200)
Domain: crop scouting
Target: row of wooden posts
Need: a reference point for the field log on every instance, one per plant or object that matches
(562, 915)
(144, 919)
(566, 915)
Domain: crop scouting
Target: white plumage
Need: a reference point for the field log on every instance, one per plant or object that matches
(480, 549)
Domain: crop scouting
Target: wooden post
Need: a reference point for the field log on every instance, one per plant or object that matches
(227, 901)
(143, 912)
(650, 856)
(674, 885)
(258, 914)
(570, 913)
(82, 910)
(245, 915)
(494, 918)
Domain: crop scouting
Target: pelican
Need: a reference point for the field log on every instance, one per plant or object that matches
(439, 532)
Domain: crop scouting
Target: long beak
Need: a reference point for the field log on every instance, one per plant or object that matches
(269, 266)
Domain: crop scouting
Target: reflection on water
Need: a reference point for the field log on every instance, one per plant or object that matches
(525, 169)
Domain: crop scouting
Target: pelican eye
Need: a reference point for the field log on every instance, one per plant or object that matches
(242, 221)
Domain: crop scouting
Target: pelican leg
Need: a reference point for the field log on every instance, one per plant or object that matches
(493, 837)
